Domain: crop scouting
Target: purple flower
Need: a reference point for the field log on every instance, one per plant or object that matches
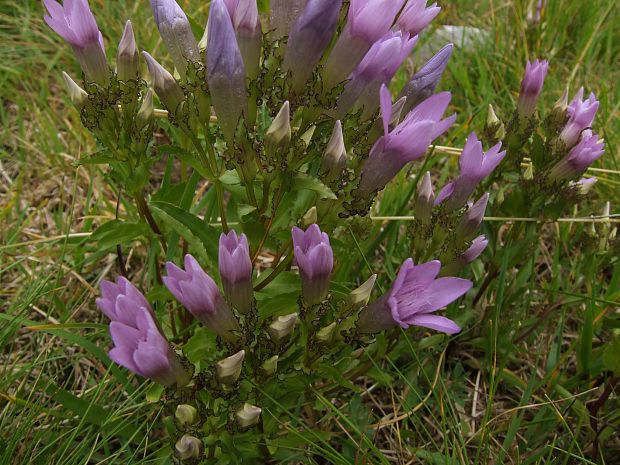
(531, 86)
(139, 345)
(580, 116)
(478, 245)
(315, 260)
(236, 270)
(75, 22)
(414, 297)
(407, 142)
(176, 32)
(475, 166)
(368, 21)
(283, 14)
(423, 83)
(309, 38)
(166, 87)
(225, 70)
(415, 16)
(587, 151)
(472, 219)
(378, 67)
(200, 296)
(244, 15)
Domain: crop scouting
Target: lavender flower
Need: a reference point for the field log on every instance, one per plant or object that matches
(200, 296)
(127, 55)
(580, 116)
(225, 70)
(315, 260)
(472, 219)
(423, 83)
(309, 38)
(478, 245)
(414, 296)
(283, 14)
(244, 15)
(587, 151)
(415, 16)
(368, 21)
(75, 22)
(139, 345)
(475, 166)
(378, 67)
(531, 86)
(176, 33)
(407, 142)
(236, 270)
(166, 87)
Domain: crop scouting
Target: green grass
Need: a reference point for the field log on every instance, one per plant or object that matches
(521, 394)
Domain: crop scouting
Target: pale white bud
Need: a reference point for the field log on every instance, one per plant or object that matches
(229, 369)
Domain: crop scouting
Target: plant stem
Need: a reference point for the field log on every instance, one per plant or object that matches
(220, 201)
(145, 214)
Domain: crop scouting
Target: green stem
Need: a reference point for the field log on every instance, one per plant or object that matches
(220, 200)
(146, 215)
(276, 271)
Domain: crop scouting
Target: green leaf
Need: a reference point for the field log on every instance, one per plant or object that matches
(304, 181)
(200, 236)
(186, 157)
(117, 232)
(611, 357)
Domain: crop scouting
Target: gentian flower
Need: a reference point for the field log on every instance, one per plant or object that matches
(587, 151)
(407, 142)
(78, 96)
(478, 245)
(139, 344)
(415, 16)
(283, 14)
(415, 295)
(75, 22)
(200, 296)
(580, 116)
(475, 166)
(378, 67)
(309, 38)
(177, 34)
(315, 259)
(423, 83)
(236, 270)
(531, 87)
(225, 70)
(166, 87)
(368, 21)
(127, 55)
(472, 219)
(244, 15)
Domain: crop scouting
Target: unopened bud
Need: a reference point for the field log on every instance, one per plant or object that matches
(282, 327)
(529, 172)
(166, 87)
(309, 218)
(472, 219)
(127, 55)
(270, 366)
(360, 296)
(559, 111)
(335, 157)
(425, 200)
(397, 110)
(495, 128)
(248, 415)
(188, 447)
(279, 133)
(186, 415)
(77, 95)
(145, 114)
(326, 335)
(229, 369)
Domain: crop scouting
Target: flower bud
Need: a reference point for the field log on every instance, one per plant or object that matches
(531, 87)
(335, 156)
(166, 87)
(282, 327)
(279, 133)
(360, 296)
(188, 447)
(559, 111)
(584, 185)
(145, 114)
(127, 55)
(326, 335)
(236, 270)
(270, 366)
(315, 259)
(246, 22)
(77, 95)
(425, 200)
(494, 128)
(472, 219)
(229, 369)
(309, 218)
(283, 14)
(186, 415)
(248, 415)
